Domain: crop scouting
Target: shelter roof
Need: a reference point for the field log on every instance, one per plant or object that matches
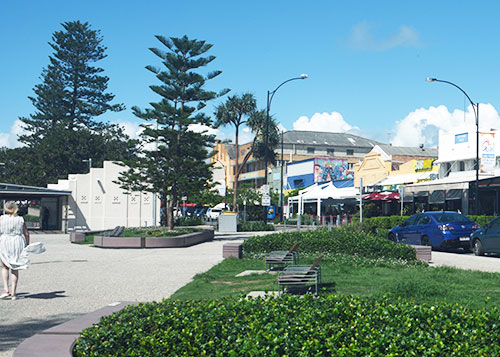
(11, 191)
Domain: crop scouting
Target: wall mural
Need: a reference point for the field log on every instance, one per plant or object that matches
(331, 170)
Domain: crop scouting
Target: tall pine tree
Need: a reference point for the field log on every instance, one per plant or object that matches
(174, 161)
(63, 131)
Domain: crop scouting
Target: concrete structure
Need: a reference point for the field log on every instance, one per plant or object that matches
(297, 146)
(457, 175)
(98, 203)
(47, 204)
(387, 160)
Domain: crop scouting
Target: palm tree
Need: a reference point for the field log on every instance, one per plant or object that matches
(240, 111)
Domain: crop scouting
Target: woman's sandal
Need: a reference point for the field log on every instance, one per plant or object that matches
(5, 295)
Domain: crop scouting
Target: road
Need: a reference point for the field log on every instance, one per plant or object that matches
(466, 261)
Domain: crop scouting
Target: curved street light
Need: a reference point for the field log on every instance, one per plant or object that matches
(270, 96)
(475, 108)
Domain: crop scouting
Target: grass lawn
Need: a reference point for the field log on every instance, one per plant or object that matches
(344, 276)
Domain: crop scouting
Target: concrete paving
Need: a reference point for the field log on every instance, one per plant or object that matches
(69, 280)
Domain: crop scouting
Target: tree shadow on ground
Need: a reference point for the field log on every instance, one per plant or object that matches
(13, 334)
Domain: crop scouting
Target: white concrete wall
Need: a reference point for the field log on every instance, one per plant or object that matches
(97, 203)
(300, 168)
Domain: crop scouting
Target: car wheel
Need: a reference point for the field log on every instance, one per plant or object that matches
(392, 237)
(477, 247)
(425, 241)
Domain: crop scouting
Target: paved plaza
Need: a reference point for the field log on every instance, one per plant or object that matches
(69, 280)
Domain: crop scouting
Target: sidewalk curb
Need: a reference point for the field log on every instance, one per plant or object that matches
(58, 341)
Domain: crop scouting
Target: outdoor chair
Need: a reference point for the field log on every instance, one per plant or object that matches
(300, 276)
(116, 232)
(282, 257)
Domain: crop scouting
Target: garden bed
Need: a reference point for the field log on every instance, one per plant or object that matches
(184, 240)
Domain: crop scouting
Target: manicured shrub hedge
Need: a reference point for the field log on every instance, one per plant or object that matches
(187, 221)
(481, 220)
(345, 240)
(294, 326)
(254, 226)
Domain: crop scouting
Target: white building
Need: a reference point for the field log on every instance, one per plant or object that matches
(97, 203)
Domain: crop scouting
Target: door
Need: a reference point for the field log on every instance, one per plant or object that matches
(408, 229)
(491, 239)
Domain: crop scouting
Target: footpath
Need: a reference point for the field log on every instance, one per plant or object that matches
(70, 280)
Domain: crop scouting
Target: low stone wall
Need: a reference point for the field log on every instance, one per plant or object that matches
(58, 341)
(184, 240)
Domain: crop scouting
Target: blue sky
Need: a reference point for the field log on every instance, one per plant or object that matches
(367, 61)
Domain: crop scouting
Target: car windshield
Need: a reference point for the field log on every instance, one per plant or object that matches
(450, 217)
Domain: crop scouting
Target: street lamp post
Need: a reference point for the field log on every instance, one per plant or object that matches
(89, 160)
(475, 108)
(270, 95)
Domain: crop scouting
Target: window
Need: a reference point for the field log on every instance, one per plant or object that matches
(349, 152)
(462, 166)
(330, 151)
(310, 150)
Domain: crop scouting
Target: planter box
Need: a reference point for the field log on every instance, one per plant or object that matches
(424, 253)
(233, 250)
(118, 242)
(76, 237)
(184, 240)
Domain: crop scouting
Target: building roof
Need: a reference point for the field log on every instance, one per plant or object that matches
(325, 138)
(408, 150)
(10, 191)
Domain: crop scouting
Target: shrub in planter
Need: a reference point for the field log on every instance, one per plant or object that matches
(293, 326)
(254, 226)
(347, 239)
(187, 221)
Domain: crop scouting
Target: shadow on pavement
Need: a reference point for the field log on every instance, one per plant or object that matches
(48, 295)
(12, 335)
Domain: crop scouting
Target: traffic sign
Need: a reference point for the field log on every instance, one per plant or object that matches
(266, 200)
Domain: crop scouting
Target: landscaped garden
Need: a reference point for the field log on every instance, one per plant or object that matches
(376, 299)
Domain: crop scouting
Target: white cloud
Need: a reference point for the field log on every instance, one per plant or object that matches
(362, 38)
(422, 125)
(327, 122)
(131, 128)
(10, 139)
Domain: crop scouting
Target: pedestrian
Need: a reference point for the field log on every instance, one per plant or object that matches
(14, 248)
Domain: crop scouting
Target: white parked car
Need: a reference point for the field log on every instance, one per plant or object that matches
(213, 213)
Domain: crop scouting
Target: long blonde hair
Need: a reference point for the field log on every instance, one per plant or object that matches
(11, 208)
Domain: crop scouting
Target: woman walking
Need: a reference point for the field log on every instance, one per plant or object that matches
(14, 239)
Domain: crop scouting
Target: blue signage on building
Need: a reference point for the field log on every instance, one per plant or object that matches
(271, 212)
(461, 138)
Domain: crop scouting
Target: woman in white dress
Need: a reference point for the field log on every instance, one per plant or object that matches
(13, 240)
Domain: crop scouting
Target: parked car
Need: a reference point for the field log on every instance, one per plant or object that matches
(437, 229)
(486, 239)
(213, 213)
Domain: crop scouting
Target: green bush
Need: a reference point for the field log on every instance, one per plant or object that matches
(293, 326)
(156, 232)
(187, 221)
(254, 226)
(481, 220)
(347, 239)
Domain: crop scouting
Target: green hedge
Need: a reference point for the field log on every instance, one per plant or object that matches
(481, 220)
(293, 326)
(187, 221)
(345, 240)
(254, 226)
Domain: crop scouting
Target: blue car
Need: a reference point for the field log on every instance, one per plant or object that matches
(487, 239)
(437, 229)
